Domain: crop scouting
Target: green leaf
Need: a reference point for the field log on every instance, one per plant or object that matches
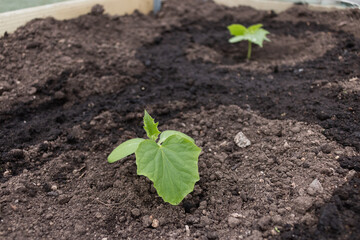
(237, 39)
(164, 135)
(172, 166)
(254, 27)
(236, 29)
(258, 37)
(124, 149)
(255, 34)
(150, 127)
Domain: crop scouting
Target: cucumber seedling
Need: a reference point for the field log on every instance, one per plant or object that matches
(171, 163)
(253, 34)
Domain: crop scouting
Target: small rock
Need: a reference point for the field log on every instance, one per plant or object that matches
(155, 223)
(31, 90)
(204, 220)
(135, 212)
(17, 153)
(97, 10)
(59, 95)
(54, 187)
(302, 204)
(315, 187)
(295, 129)
(98, 215)
(52, 194)
(350, 174)
(49, 216)
(264, 222)
(241, 140)
(147, 221)
(323, 116)
(326, 148)
(63, 199)
(187, 230)
(233, 222)
(33, 45)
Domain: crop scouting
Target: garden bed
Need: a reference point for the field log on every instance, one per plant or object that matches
(71, 91)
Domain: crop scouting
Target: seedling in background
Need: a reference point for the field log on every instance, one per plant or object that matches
(253, 34)
(171, 163)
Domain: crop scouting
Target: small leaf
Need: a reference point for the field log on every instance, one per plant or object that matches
(237, 39)
(258, 37)
(150, 127)
(172, 166)
(255, 34)
(125, 149)
(164, 135)
(236, 29)
(254, 27)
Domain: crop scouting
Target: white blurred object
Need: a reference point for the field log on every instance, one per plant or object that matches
(352, 3)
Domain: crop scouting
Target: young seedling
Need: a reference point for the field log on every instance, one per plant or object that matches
(253, 34)
(171, 163)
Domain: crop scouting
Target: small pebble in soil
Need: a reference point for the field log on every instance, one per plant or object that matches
(315, 187)
(302, 204)
(97, 10)
(241, 140)
(187, 230)
(233, 222)
(295, 129)
(326, 148)
(63, 199)
(59, 95)
(155, 223)
(135, 212)
(16, 153)
(52, 194)
(147, 220)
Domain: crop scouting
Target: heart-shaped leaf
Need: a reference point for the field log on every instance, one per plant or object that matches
(172, 166)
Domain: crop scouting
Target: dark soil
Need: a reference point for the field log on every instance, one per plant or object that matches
(71, 91)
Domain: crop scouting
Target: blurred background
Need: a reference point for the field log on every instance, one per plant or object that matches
(10, 5)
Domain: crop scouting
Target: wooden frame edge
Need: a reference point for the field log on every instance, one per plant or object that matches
(10, 21)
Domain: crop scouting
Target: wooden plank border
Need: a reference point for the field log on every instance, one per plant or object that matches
(10, 21)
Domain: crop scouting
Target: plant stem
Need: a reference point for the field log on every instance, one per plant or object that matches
(249, 51)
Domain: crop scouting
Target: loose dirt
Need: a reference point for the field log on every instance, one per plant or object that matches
(71, 91)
